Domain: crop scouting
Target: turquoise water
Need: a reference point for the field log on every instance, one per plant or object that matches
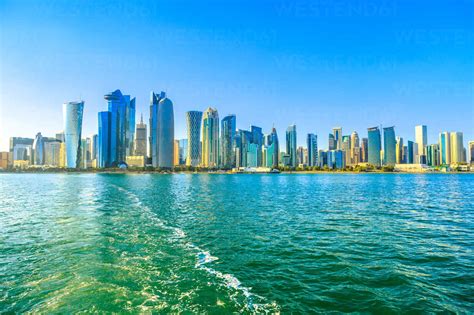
(240, 243)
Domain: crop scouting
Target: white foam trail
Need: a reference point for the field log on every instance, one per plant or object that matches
(204, 257)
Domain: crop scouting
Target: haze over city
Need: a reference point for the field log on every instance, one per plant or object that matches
(352, 64)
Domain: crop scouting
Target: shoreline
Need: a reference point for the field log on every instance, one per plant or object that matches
(143, 172)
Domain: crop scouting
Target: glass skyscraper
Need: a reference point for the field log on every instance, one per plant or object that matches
(374, 146)
(165, 133)
(445, 148)
(337, 132)
(291, 144)
(389, 146)
(38, 150)
(210, 138)
(312, 144)
(154, 105)
(140, 139)
(228, 129)
(421, 139)
(193, 124)
(72, 116)
(122, 128)
(104, 158)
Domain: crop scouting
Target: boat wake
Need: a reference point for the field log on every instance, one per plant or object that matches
(204, 259)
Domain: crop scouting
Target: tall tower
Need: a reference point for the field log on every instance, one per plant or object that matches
(193, 124)
(165, 131)
(389, 146)
(38, 150)
(291, 144)
(374, 146)
(457, 147)
(312, 145)
(337, 132)
(228, 128)
(153, 138)
(421, 139)
(445, 148)
(140, 138)
(72, 116)
(210, 138)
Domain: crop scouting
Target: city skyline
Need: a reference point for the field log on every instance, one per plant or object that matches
(312, 73)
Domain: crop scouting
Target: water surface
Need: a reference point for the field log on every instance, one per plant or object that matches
(236, 243)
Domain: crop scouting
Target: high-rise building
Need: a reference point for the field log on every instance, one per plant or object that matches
(176, 153)
(38, 150)
(331, 142)
(312, 145)
(355, 148)
(410, 153)
(257, 138)
(374, 146)
(153, 137)
(72, 115)
(94, 146)
(337, 132)
(291, 144)
(140, 138)
(457, 147)
(122, 125)
(389, 146)
(421, 139)
(346, 148)
(228, 129)
(104, 154)
(52, 150)
(165, 132)
(445, 148)
(399, 150)
(471, 152)
(299, 156)
(210, 138)
(432, 155)
(364, 150)
(183, 151)
(193, 124)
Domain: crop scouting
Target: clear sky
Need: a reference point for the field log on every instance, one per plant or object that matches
(317, 64)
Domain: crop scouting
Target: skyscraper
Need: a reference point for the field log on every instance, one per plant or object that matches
(161, 130)
(72, 115)
(38, 150)
(193, 124)
(410, 152)
(210, 138)
(94, 146)
(445, 148)
(399, 150)
(165, 133)
(153, 138)
(257, 138)
(355, 148)
(432, 155)
(312, 144)
(291, 144)
(228, 129)
(364, 150)
(421, 139)
(122, 125)
(457, 147)
(104, 154)
(337, 132)
(471, 152)
(52, 148)
(374, 146)
(331, 142)
(140, 138)
(389, 146)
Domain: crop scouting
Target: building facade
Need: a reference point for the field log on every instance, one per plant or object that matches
(210, 138)
(193, 125)
(373, 146)
(291, 144)
(389, 146)
(228, 129)
(72, 116)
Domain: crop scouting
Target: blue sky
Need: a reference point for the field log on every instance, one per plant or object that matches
(317, 64)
